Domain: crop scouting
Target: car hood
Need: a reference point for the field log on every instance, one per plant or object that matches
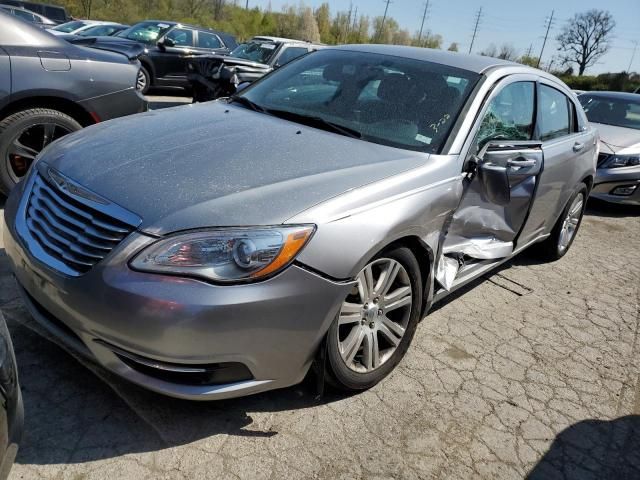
(128, 48)
(215, 164)
(614, 138)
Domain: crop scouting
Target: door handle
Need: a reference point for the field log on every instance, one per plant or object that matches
(578, 146)
(521, 162)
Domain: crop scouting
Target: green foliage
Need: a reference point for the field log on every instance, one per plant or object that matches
(622, 82)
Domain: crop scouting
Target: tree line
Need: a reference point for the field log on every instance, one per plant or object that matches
(583, 40)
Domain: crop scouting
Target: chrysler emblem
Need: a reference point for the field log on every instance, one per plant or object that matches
(73, 189)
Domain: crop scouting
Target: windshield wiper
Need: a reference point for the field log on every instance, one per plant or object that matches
(247, 103)
(317, 122)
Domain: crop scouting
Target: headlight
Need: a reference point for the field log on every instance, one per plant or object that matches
(225, 255)
(615, 161)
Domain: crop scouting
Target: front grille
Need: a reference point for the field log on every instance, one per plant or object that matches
(603, 158)
(70, 231)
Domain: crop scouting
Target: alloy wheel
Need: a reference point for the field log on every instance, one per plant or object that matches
(27, 144)
(374, 317)
(141, 81)
(570, 223)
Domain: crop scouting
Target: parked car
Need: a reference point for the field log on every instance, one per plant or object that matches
(213, 250)
(105, 30)
(53, 12)
(168, 45)
(213, 76)
(616, 115)
(11, 407)
(28, 16)
(53, 88)
(76, 27)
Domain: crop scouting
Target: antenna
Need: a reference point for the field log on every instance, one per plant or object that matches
(549, 23)
(475, 29)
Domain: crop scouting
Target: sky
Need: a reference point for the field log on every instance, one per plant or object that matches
(519, 23)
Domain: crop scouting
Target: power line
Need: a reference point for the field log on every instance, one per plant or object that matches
(424, 17)
(545, 38)
(475, 29)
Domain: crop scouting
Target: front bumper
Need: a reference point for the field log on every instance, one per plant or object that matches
(272, 328)
(609, 179)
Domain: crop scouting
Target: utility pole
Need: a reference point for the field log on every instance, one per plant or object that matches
(528, 54)
(635, 46)
(546, 35)
(424, 17)
(475, 29)
(246, 5)
(384, 18)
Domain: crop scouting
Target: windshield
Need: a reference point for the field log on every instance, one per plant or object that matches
(621, 112)
(145, 32)
(384, 99)
(70, 26)
(259, 52)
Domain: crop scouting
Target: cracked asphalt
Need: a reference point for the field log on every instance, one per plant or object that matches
(533, 371)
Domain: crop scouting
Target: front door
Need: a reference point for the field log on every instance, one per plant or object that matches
(503, 166)
(170, 60)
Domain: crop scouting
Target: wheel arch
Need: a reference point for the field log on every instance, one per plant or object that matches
(148, 66)
(66, 106)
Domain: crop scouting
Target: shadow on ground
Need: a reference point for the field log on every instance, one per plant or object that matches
(593, 449)
(598, 208)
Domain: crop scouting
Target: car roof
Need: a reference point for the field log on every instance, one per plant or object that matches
(619, 95)
(4, 5)
(473, 63)
(277, 39)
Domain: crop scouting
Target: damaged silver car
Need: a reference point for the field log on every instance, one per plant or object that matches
(312, 219)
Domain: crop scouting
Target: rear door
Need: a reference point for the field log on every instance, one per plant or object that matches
(487, 223)
(565, 145)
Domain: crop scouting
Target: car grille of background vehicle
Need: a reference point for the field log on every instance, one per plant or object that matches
(70, 231)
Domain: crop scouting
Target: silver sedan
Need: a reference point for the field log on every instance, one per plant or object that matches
(221, 249)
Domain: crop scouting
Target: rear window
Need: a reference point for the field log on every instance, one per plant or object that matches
(555, 115)
(54, 13)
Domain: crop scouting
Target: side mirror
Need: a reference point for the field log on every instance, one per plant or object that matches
(165, 42)
(242, 86)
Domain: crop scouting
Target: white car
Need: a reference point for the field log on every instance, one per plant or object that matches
(75, 27)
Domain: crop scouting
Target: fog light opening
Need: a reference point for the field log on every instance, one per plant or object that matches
(624, 191)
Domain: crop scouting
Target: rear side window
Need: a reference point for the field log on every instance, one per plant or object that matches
(291, 53)
(510, 115)
(181, 37)
(555, 115)
(208, 40)
(55, 13)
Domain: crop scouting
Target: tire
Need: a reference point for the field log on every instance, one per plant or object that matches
(362, 373)
(554, 247)
(28, 122)
(143, 80)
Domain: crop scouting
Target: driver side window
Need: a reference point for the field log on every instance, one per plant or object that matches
(509, 116)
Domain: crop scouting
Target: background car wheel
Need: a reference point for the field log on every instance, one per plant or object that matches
(23, 135)
(143, 81)
(376, 322)
(566, 228)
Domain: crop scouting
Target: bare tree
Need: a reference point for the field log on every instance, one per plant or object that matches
(490, 51)
(585, 38)
(86, 7)
(507, 52)
(308, 26)
(453, 47)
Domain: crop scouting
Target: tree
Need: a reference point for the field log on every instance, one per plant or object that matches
(490, 51)
(323, 17)
(86, 7)
(308, 27)
(453, 47)
(585, 38)
(507, 52)
(529, 60)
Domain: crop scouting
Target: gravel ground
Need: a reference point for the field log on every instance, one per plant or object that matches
(532, 371)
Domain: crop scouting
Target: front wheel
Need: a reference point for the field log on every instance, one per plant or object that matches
(143, 81)
(566, 228)
(376, 322)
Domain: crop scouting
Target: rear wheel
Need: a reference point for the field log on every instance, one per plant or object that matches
(564, 232)
(376, 322)
(23, 135)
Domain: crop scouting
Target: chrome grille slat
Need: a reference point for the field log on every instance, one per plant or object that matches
(70, 231)
(56, 197)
